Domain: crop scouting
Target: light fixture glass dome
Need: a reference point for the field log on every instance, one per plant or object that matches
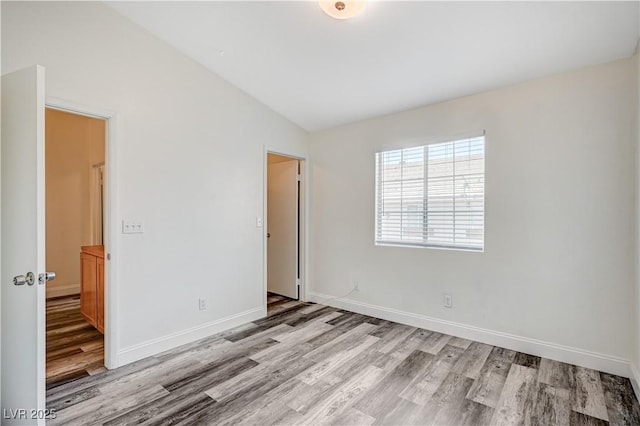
(342, 9)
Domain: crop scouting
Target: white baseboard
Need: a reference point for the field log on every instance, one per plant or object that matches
(62, 290)
(583, 358)
(635, 380)
(164, 343)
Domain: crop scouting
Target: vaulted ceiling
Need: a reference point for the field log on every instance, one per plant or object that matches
(320, 72)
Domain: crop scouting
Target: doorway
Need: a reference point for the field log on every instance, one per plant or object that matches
(75, 156)
(284, 222)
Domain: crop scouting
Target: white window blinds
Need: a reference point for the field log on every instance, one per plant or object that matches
(432, 195)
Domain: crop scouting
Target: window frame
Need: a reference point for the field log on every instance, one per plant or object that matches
(378, 165)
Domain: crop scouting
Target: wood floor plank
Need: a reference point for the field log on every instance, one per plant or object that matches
(63, 353)
(273, 414)
(435, 342)
(384, 328)
(266, 326)
(377, 402)
(133, 382)
(580, 419)
(302, 334)
(96, 368)
(343, 341)
(622, 405)
(235, 384)
(329, 409)
(471, 361)
(246, 347)
(352, 417)
(516, 397)
(261, 376)
(307, 396)
(208, 376)
(93, 345)
(333, 362)
(172, 416)
(527, 360)
(394, 337)
(205, 345)
(368, 357)
(554, 373)
(325, 315)
(424, 385)
(99, 409)
(401, 412)
(474, 414)
(76, 398)
(587, 396)
(445, 406)
(282, 306)
(550, 406)
(503, 354)
(80, 361)
(67, 378)
(248, 397)
(486, 389)
(311, 307)
(459, 342)
(172, 406)
(70, 389)
(417, 340)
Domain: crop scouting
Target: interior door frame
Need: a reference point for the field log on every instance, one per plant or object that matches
(304, 220)
(96, 199)
(110, 218)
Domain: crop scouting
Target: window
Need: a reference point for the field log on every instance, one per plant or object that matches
(432, 196)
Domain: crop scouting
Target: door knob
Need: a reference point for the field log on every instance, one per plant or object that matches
(47, 276)
(24, 279)
(268, 235)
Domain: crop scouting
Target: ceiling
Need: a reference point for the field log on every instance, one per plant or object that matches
(320, 72)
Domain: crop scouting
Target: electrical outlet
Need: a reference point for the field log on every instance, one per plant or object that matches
(202, 304)
(448, 301)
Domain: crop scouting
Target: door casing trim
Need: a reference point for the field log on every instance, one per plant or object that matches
(110, 220)
(304, 219)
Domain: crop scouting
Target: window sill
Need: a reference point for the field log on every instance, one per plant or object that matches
(431, 246)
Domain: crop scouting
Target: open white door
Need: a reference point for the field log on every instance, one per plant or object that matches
(23, 247)
(282, 228)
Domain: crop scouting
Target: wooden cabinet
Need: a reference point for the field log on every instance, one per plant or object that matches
(92, 285)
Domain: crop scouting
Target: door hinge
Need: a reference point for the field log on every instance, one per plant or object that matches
(297, 178)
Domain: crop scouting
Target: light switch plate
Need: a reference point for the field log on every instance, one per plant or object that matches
(132, 227)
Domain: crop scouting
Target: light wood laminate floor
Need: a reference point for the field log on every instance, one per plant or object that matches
(75, 348)
(311, 364)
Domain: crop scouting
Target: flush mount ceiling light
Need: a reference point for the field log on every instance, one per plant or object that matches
(342, 9)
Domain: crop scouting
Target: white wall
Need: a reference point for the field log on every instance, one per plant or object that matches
(190, 165)
(558, 265)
